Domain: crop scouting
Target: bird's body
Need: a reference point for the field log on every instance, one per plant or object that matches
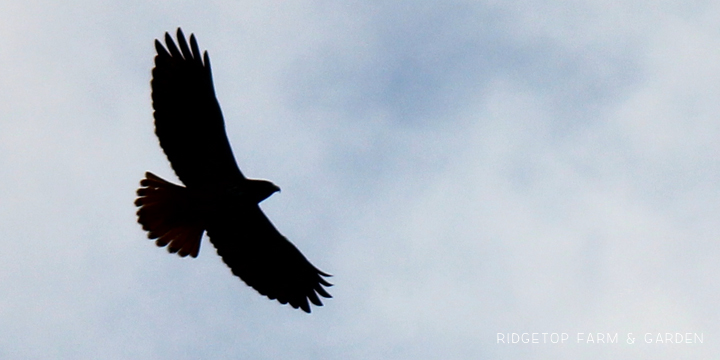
(217, 198)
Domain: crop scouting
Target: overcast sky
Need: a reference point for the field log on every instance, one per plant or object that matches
(462, 168)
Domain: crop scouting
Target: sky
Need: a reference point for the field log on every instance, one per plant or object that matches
(470, 172)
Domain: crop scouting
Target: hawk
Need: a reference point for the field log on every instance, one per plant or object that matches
(217, 198)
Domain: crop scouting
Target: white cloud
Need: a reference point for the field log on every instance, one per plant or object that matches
(462, 169)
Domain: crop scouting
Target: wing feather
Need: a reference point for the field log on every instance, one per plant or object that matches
(188, 119)
(264, 259)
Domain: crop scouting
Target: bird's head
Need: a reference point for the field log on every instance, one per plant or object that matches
(260, 190)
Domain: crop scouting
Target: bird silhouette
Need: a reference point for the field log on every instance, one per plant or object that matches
(217, 198)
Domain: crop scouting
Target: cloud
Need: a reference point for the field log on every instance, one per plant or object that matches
(462, 168)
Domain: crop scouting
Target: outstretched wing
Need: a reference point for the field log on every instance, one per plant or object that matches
(264, 259)
(188, 119)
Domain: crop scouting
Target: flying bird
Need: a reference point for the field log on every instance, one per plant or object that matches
(217, 198)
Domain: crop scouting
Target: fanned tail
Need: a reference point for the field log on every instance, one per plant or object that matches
(168, 215)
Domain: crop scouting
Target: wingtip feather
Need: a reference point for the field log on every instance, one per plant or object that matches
(322, 292)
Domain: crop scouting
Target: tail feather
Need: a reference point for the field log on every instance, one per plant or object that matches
(168, 215)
